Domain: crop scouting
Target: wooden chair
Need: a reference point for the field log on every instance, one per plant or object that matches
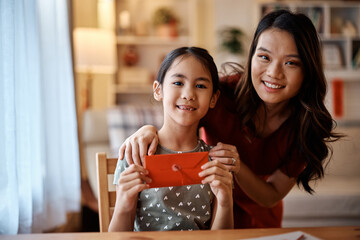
(107, 194)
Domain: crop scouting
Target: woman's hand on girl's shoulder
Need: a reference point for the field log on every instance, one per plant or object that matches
(141, 143)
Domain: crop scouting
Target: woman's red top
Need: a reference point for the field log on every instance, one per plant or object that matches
(262, 155)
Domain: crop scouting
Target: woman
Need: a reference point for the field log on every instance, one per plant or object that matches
(275, 124)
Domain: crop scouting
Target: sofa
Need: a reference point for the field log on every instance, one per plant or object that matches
(336, 201)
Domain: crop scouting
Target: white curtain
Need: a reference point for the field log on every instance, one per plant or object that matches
(39, 159)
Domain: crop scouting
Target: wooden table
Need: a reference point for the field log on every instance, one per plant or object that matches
(346, 233)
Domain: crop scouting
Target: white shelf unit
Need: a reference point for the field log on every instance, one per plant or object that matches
(152, 40)
(338, 25)
(331, 19)
(150, 47)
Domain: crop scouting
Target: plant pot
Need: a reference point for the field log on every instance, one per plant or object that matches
(167, 30)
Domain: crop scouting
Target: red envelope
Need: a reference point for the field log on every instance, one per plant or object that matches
(180, 169)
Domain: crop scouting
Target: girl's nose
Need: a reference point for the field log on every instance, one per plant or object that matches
(188, 94)
(274, 70)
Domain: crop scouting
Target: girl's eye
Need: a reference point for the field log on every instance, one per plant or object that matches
(178, 83)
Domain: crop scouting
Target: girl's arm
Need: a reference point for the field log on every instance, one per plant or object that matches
(223, 217)
(220, 181)
(131, 182)
(266, 193)
(141, 143)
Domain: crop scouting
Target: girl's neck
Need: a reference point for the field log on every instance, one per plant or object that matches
(178, 138)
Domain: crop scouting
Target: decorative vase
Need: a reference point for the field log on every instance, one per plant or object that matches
(131, 56)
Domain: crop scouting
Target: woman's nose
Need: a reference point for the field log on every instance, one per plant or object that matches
(274, 70)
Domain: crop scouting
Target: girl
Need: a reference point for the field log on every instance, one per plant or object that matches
(276, 118)
(187, 84)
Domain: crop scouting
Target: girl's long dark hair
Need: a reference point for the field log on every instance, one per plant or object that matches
(313, 125)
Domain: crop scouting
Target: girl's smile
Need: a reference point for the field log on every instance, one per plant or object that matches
(186, 107)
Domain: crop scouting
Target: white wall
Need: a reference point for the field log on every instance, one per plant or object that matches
(238, 13)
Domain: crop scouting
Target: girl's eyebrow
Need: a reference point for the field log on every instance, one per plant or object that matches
(289, 55)
(179, 75)
(203, 79)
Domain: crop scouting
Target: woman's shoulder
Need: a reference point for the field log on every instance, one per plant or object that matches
(227, 98)
(231, 74)
(229, 83)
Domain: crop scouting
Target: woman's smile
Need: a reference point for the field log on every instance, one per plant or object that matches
(272, 85)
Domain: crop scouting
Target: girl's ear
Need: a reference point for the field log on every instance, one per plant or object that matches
(157, 91)
(214, 99)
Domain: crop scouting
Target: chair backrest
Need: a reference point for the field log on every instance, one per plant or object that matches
(106, 194)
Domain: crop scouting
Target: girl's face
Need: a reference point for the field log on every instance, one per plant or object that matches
(186, 92)
(276, 69)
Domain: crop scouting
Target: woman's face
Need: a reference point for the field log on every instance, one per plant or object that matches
(276, 69)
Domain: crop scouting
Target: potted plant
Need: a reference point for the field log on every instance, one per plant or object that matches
(165, 22)
(231, 40)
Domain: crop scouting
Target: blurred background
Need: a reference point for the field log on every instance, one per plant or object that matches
(119, 45)
(76, 79)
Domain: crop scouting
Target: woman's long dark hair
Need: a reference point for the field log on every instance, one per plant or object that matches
(313, 125)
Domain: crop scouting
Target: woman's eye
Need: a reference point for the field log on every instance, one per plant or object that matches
(263, 57)
(200, 86)
(289, 63)
(292, 63)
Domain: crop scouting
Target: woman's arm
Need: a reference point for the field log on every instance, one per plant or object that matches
(220, 180)
(144, 141)
(266, 193)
